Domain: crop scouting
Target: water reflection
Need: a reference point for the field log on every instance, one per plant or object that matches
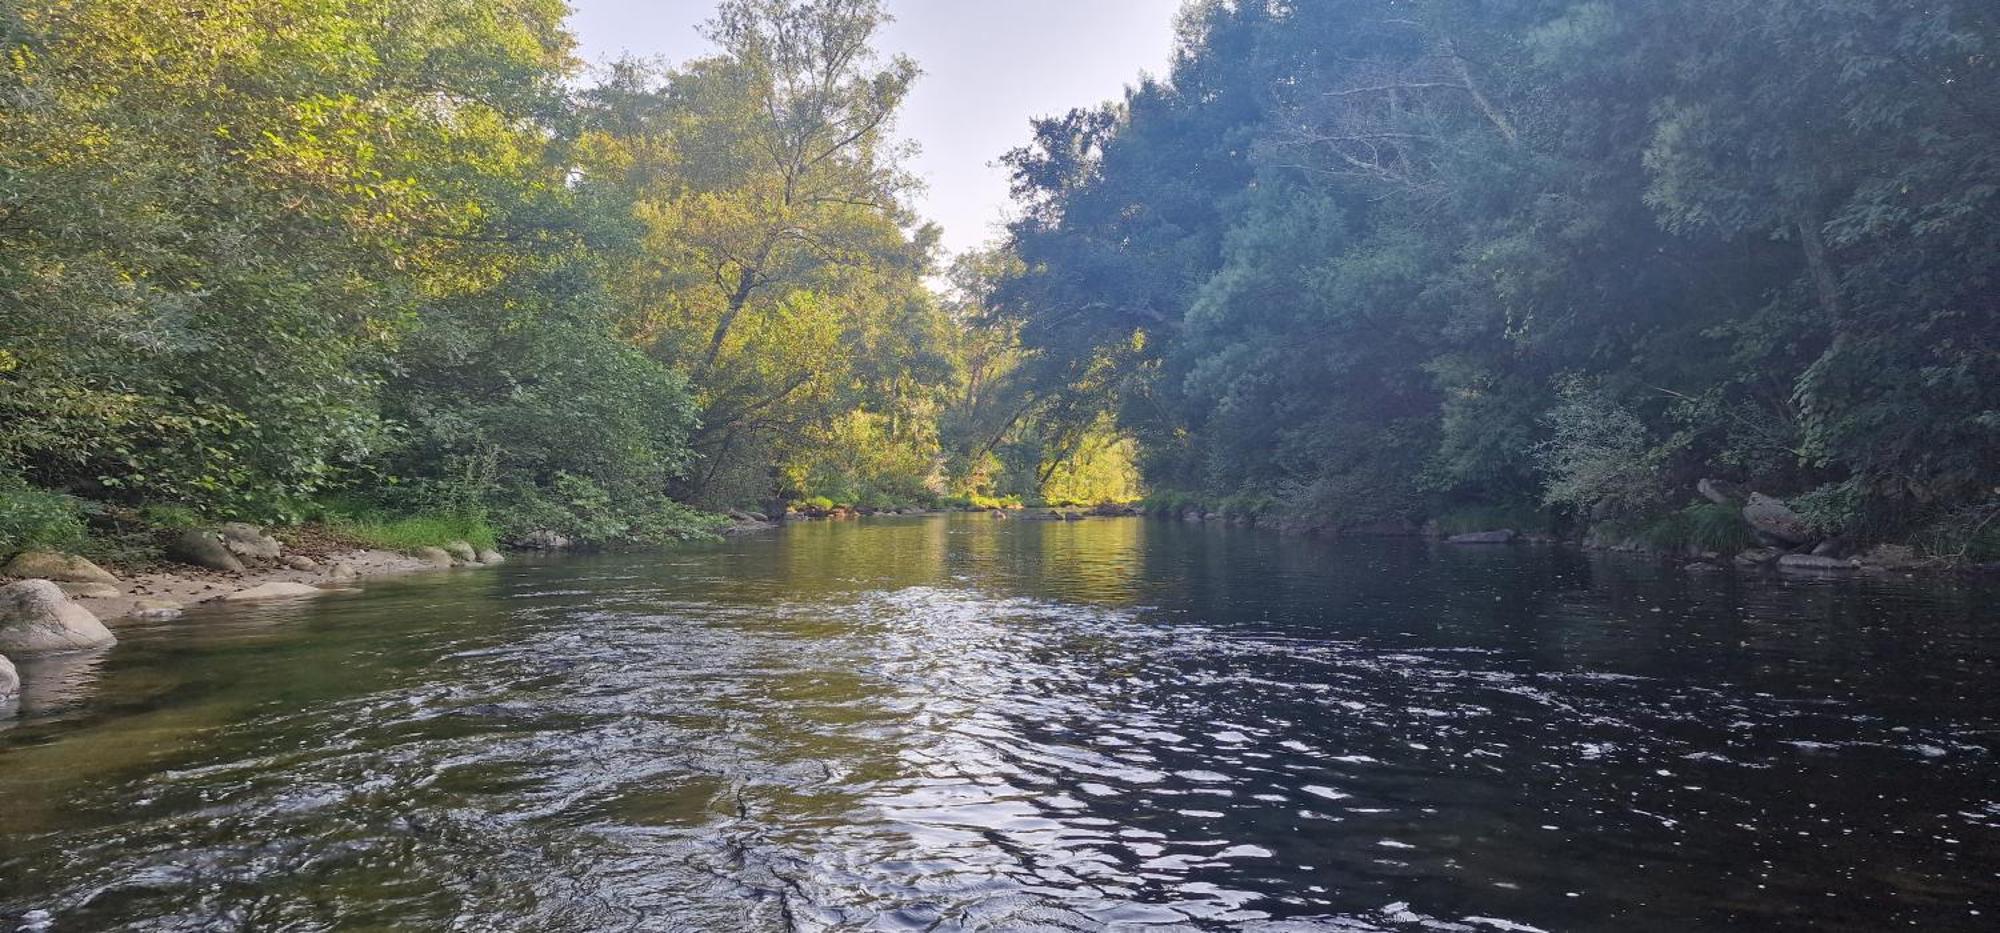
(970, 724)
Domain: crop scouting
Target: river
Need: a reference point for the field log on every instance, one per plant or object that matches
(966, 724)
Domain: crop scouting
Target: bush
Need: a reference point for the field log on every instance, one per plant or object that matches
(1599, 460)
(34, 518)
(1703, 526)
(577, 508)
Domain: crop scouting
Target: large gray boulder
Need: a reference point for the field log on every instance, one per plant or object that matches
(490, 557)
(10, 680)
(435, 556)
(37, 618)
(1503, 536)
(62, 568)
(250, 543)
(1772, 517)
(462, 552)
(204, 549)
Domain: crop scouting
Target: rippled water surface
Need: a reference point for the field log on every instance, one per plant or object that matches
(963, 724)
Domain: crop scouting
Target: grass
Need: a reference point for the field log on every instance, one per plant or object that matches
(409, 532)
(1703, 526)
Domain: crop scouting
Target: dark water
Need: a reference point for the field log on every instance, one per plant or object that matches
(931, 724)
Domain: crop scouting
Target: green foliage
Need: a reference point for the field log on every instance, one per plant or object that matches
(1702, 526)
(1385, 259)
(410, 532)
(390, 249)
(1599, 459)
(33, 518)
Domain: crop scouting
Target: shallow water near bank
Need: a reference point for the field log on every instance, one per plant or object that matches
(959, 723)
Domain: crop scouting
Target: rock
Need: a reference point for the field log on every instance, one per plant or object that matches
(1072, 516)
(1811, 564)
(1720, 492)
(155, 609)
(204, 549)
(1191, 515)
(1503, 536)
(91, 590)
(10, 680)
(36, 618)
(1832, 547)
(433, 555)
(344, 572)
(249, 542)
(1774, 518)
(759, 517)
(490, 557)
(544, 541)
(278, 590)
(1892, 557)
(1758, 557)
(299, 562)
(462, 552)
(62, 568)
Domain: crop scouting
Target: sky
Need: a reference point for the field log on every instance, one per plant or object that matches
(989, 66)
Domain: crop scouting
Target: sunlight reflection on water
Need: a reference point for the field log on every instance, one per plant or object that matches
(965, 724)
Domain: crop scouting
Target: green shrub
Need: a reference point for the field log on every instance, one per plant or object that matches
(1703, 526)
(35, 518)
(393, 532)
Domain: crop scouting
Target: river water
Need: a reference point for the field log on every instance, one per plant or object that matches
(966, 724)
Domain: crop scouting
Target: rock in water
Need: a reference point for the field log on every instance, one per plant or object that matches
(343, 572)
(10, 680)
(37, 618)
(1812, 564)
(462, 552)
(155, 609)
(490, 557)
(299, 562)
(273, 591)
(1503, 536)
(204, 549)
(249, 542)
(433, 555)
(62, 568)
(1775, 518)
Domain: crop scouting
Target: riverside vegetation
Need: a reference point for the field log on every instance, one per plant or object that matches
(1540, 264)
(401, 268)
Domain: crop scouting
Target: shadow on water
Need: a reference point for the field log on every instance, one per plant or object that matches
(973, 724)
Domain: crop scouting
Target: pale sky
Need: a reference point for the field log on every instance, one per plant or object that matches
(989, 67)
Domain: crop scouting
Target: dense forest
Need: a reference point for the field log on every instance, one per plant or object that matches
(1541, 263)
(1353, 265)
(368, 261)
